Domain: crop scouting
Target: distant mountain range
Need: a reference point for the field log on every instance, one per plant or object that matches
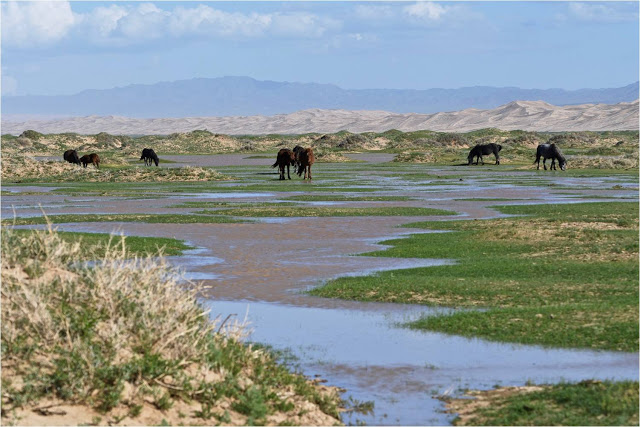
(524, 115)
(244, 96)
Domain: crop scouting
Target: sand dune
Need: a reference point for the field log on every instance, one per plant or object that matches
(524, 115)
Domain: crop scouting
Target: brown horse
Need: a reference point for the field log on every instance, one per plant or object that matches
(285, 158)
(90, 158)
(305, 159)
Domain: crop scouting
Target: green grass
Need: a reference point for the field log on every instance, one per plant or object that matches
(148, 218)
(585, 403)
(328, 212)
(136, 245)
(566, 275)
(342, 198)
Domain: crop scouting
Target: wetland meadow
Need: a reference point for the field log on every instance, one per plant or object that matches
(386, 291)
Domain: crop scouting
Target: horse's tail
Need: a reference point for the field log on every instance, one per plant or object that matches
(275, 164)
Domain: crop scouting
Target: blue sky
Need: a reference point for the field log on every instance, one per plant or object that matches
(51, 48)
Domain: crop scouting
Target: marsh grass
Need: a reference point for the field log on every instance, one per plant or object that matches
(127, 333)
(304, 211)
(566, 276)
(147, 218)
(585, 403)
(135, 245)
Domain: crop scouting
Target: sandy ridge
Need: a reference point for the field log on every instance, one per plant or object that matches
(524, 115)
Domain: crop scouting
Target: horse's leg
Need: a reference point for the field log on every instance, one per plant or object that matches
(544, 163)
(481, 160)
(309, 172)
(497, 159)
(553, 164)
(288, 176)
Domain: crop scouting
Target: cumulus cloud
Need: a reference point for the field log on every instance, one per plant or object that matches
(431, 13)
(39, 23)
(35, 24)
(427, 11)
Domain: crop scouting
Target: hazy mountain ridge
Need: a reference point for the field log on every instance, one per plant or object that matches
(523, 115)
(231, 96)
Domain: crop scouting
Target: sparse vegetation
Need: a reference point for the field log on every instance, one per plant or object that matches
(419, 146)
(585, 403)
(121, 338)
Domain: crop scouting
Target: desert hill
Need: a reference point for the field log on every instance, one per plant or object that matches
(524, 115)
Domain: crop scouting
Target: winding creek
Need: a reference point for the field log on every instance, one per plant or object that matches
(260, 269)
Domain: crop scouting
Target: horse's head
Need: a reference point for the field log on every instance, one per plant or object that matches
(563, 163)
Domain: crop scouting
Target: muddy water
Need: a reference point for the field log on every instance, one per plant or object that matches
(263, 267)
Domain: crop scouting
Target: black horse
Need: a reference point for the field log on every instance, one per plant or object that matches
(481, 150)
(71, 156)
(550, 151)
(285, 158)
(148, 155)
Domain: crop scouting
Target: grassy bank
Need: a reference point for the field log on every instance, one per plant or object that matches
(96, 244)
(582, 404)
(123, 343)
(148, 218)
(564, 275)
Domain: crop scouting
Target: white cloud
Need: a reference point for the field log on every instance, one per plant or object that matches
(608, 12)
(131, 25)
(373, 12)
(41, 23)
(431, 13)
(427, 11)
(29, 24)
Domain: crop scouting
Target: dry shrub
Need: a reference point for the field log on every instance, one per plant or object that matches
(596, 162)
(16, 167)
(122, 332)
(428, 157)
(328, 157)
(45, 282)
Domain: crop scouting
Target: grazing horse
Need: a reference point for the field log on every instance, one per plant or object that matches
(480, 150)
(305, 159)
(285, 158)
(71, 156)
(90, 158)
(550, 151)
(148, 155)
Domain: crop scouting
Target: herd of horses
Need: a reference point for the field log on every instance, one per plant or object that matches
(544, 151)
(302, 158)
(71, 156)
(148, 155)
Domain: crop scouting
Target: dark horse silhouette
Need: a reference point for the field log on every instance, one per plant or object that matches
(550, 151)
(481, 150)
(285, 158)
(148, 155)
(305, 159)
(296, 150)
(90, 158)
(71, 156)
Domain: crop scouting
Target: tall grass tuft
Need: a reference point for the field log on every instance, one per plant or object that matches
(104, 328)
